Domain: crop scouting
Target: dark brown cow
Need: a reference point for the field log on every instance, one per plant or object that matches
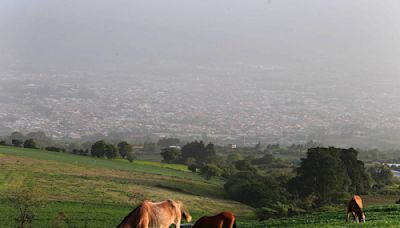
(222, 220)
(355, 208)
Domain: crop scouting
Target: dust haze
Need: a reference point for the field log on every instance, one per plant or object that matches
(226, 71)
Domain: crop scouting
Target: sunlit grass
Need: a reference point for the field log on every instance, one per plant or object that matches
(109, 189)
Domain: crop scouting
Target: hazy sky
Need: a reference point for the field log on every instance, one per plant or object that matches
(356, 36)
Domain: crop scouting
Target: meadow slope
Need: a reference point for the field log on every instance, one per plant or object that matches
(101, 192)
(90, 192)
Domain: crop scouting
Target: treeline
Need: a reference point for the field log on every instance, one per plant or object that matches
(99, 149)
(325, 176)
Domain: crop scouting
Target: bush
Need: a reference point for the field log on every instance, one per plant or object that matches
(30, 143)
(52, 148)
(278, 210)
(210, 170)
(26, 202)
(16, 142)
(192, 168)
(171, 155)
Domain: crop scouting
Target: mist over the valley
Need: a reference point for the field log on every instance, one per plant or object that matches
(226, 71)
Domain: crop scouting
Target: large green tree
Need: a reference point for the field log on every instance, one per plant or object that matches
(329, 173)
(210, 170)
(171, 155)
(98, 149)
(124, 148)
(203, 154)
(30, 143)
(111, 151)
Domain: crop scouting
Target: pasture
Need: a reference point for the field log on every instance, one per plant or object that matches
(377, 216)
(89, 192)
(96, 192)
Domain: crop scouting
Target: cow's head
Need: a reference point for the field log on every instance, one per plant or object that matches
(363, 217)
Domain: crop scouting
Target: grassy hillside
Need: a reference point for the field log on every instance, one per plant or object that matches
(101, 192)
(92, 192)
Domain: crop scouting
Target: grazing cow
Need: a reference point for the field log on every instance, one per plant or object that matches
(156, 215)
(222, 220)
(355, 208)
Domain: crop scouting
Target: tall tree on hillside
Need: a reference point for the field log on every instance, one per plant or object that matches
(124, 148)
(98, 149)
(321, 174)
(328, 173)
(360, 183)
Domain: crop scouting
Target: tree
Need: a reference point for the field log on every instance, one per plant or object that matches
(381, 174)
(256, 190)
(234, 157)
(74, 146)
(193, 168)
(210, 170)
(17, 135)
(265, 160)
(30, 143)
(16, 142)
(171, 155)
(360, 183)
(98, 149)
(124, 148)
(245, 165)
(210, 153)
(131, 156)
(197, 150)
(328, 173)
(167, 142)
(110, 151)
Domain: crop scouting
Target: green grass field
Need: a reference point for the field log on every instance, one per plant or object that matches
(92, 192)
(377, 216)
(102, 191)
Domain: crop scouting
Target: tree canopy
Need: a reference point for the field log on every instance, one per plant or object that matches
(203, 154)
(328, 173)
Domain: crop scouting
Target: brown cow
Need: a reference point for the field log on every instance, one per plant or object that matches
(355, 207)
(222, 220)
(156, 215)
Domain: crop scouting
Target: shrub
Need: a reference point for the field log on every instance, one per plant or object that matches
(30, 143)
(26, 202)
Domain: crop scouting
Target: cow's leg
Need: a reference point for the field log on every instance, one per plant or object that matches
(347, 216)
